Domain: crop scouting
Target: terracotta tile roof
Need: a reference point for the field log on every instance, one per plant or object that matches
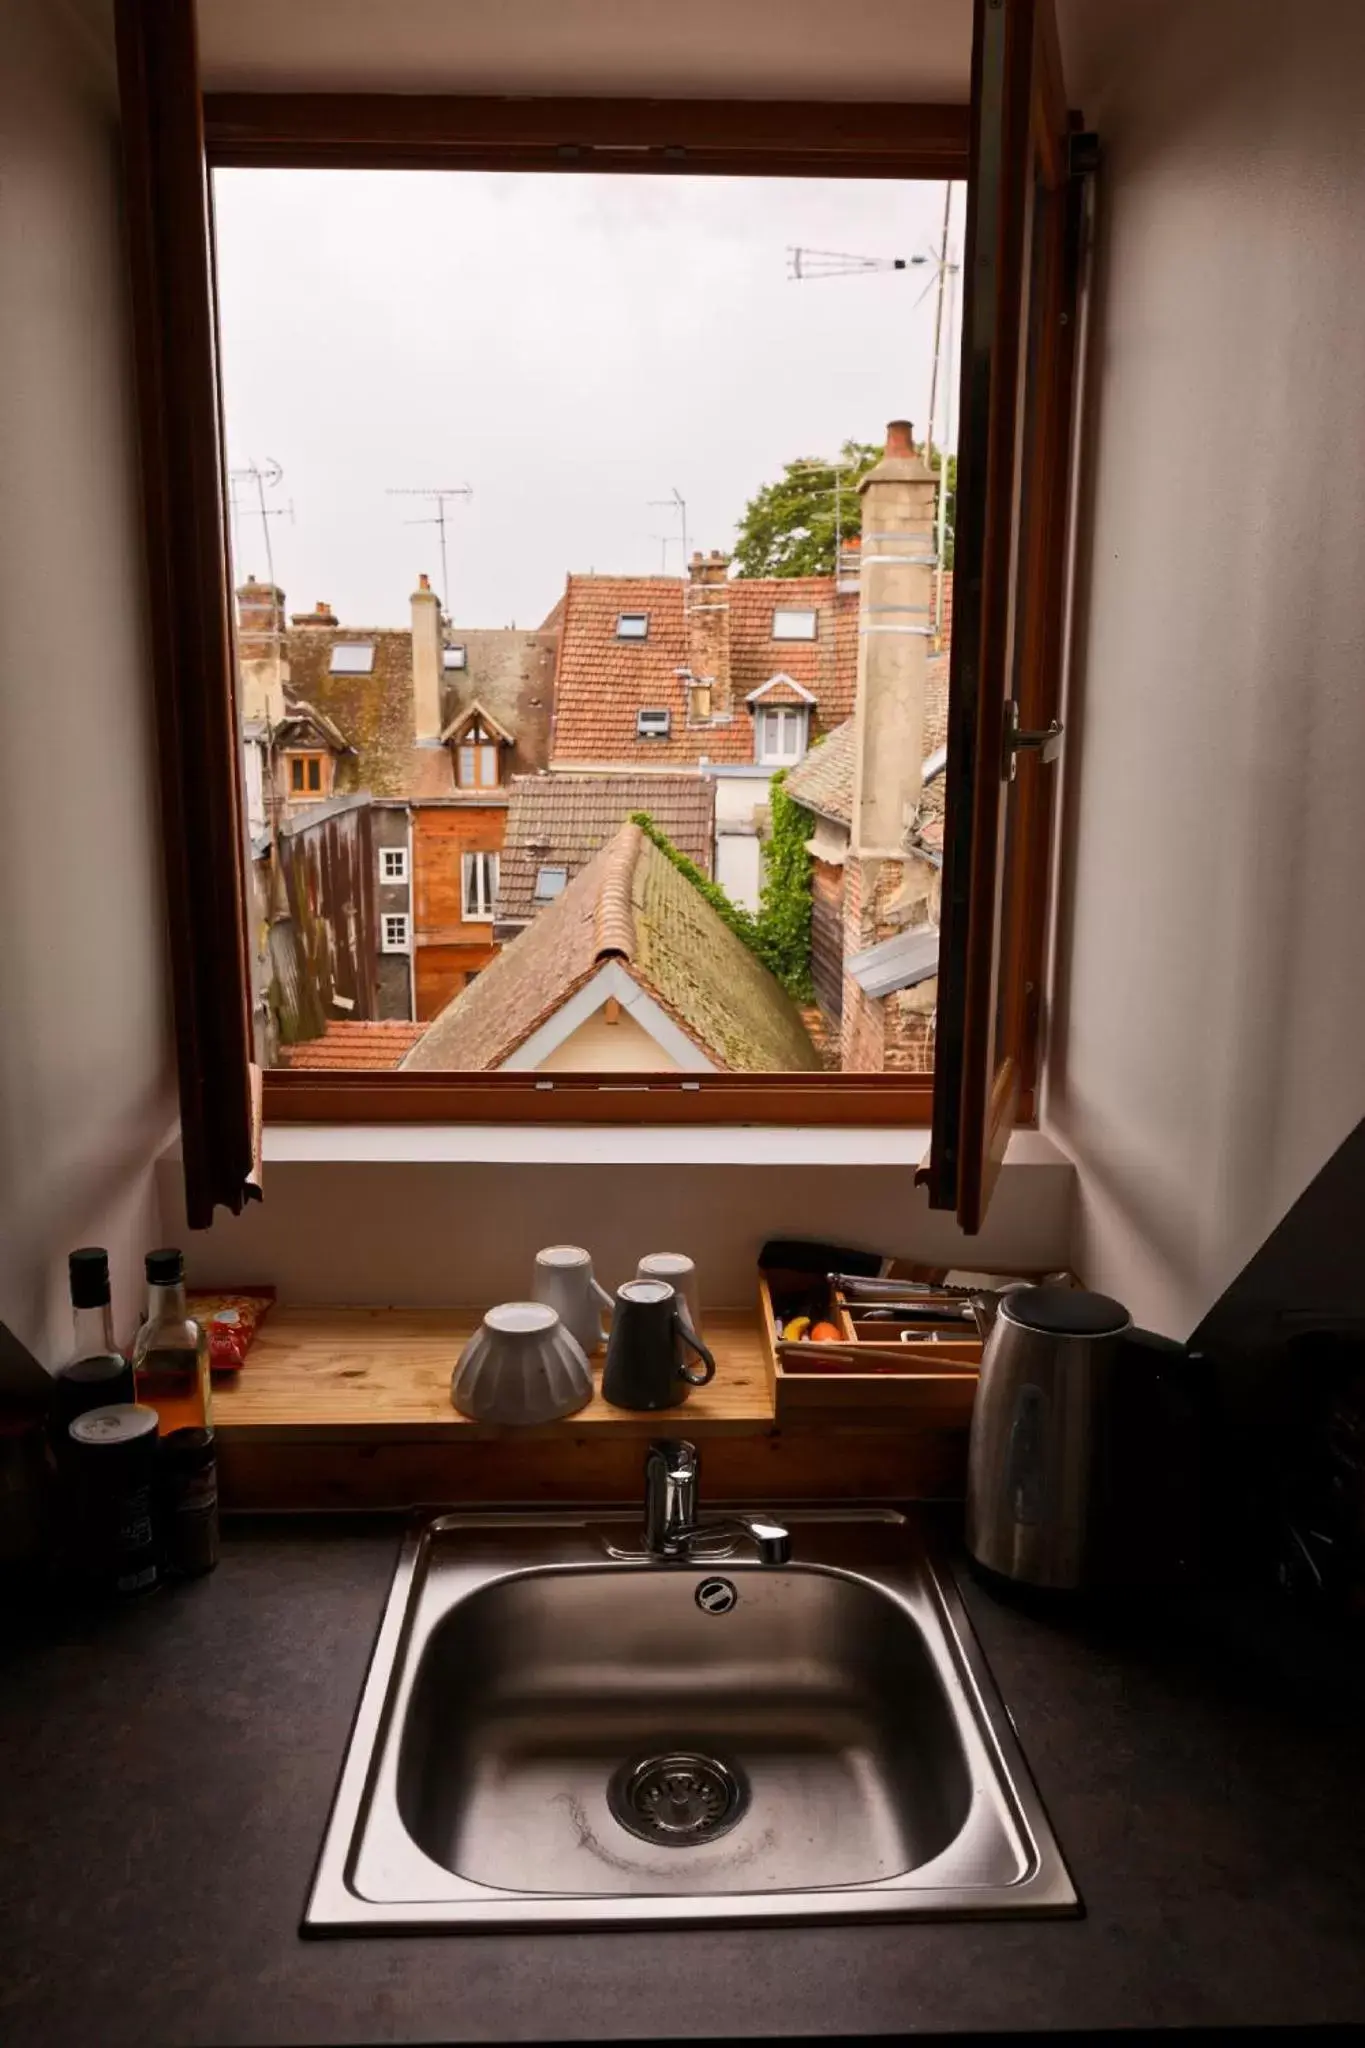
(344, 1045)
(823, 782)
(602, 681)
(629, 903)
(562, 820)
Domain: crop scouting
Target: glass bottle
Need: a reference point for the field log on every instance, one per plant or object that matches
(96, 1374)
(171, 1355)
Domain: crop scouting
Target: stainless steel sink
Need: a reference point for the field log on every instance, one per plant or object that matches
(553, 1734)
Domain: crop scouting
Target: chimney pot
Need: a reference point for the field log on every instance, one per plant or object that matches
(900, 438)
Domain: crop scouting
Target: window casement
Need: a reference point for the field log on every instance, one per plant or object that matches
(393, 864)
(476, 760)
(478, 886)
(306, 776)
(780, 735)
(653, 724)
(792, 623)
(395, 932)
(1018, 268)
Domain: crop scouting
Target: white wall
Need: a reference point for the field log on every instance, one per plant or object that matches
(1209, 1052)
(85, 1063)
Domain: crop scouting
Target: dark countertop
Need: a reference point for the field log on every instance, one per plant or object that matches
(168, 1771)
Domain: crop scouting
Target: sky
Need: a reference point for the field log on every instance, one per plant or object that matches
(570, 347)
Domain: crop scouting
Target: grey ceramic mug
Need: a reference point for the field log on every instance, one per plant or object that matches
(646, 1352)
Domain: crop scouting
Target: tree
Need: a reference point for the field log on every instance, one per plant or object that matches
(789, 527)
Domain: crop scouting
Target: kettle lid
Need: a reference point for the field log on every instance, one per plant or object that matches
(1065, 1312)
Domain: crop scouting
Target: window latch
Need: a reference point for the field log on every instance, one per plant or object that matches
(1046, 744)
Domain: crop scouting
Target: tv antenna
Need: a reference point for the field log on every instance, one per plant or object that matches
(442, 496)
(674, 502)
(262, 477)
(838, 469)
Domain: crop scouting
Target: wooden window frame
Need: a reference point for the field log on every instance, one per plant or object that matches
(307, 130)
(300, 757)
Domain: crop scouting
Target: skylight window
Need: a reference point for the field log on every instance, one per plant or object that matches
(352, 658)
(632, 626)
(549, 884)
(790, 624)
(455, 657)
(653, 725)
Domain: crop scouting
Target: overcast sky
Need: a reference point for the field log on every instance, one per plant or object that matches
(569, 346)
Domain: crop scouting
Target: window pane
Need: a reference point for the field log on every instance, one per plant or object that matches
(633, 626)
(352, 658)
(464, 773)
(315, 774)
(789, 624)
(296, 774)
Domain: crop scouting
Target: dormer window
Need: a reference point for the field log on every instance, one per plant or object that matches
(632, 626)
(476, 759)
(780, 735)
(790, 623)
(307, 777)
(352, 658)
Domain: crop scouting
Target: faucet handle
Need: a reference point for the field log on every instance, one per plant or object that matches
(679, 1458)
(773, 1539)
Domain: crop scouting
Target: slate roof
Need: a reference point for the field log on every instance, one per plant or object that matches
(345, 1045)
(630, 904)
(562, 820)
(601, 682)
(823, 782)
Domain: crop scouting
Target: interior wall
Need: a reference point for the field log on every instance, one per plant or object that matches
(86, 1072)
(1207, 1053)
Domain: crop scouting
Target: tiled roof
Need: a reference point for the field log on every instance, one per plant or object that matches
(629, 903)
(345, 1045)
(602, 681)
(823, 782)
(562, 820)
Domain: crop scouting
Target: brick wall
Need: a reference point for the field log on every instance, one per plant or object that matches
(892, 1034)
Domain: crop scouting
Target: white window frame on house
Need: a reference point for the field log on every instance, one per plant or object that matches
(393, 865)
(796, 622)
(778, 719)
(478, 886)
(395, 932)
(351, 658)
(632, 625)
(647, 726)
(454, 657)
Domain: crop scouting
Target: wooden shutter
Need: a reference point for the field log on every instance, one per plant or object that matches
(1018, 357)
(170, 251)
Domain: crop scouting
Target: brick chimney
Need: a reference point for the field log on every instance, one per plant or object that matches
(321, 615)
(706, 602)
(895, 623)
(260, 617)
(262, 664)
(427, 663)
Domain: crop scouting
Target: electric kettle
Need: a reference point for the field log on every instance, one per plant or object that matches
(1081, 1429)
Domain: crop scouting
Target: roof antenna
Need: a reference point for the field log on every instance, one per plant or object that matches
(442, 496)
(675, 502)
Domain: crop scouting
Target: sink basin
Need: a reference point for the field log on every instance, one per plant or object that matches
(555, 1734)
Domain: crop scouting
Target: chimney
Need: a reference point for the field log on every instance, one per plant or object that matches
(895, 622)
(427, 663)
(321, 615)
(706, 604)
(260, 618)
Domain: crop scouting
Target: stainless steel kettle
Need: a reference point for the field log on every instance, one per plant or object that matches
(1065, 1419)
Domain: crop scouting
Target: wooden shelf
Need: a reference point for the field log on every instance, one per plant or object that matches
(372, 1375)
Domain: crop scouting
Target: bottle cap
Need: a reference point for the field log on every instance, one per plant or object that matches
(89, 1270)
(165, 1268)
(124, 1423)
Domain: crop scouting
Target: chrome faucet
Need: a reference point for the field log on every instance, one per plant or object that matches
(673, 1527)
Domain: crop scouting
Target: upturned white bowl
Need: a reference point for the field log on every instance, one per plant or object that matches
(521, 1366)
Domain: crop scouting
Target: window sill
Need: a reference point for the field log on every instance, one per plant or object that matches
(600, 1145)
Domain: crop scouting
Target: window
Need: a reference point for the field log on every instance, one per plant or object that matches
(454, 657)
(653, 725)
(352, 658)
(305, 775)
(393, 932)
(393, 863)
(476, 760)
(781, 735)
(550, 882)
(632, 626)
(790, 624)
(479, 877)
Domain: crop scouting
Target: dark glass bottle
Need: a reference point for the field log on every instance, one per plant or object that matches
(171, 1355)
(96, 1374)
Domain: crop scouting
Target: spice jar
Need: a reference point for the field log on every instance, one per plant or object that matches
(113, 1465)
(188, 1484)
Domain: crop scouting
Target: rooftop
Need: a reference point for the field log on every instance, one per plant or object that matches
(343, 1045)
(631, 905)
(561, 821)
(823, 782)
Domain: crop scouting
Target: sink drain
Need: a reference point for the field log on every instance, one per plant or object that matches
(680, 1799)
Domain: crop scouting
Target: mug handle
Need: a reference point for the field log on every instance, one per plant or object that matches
(595, 1286)
(693, 1376)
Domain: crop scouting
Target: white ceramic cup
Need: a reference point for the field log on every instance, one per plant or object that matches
(680, 1272)
(521, 1366)
(564, 1280)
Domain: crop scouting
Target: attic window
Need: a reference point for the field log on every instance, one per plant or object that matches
(653, 725)
(794, 625)
(632, 626)
(549, 884)
(305, 775)
(454, 657)
(352, 658)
